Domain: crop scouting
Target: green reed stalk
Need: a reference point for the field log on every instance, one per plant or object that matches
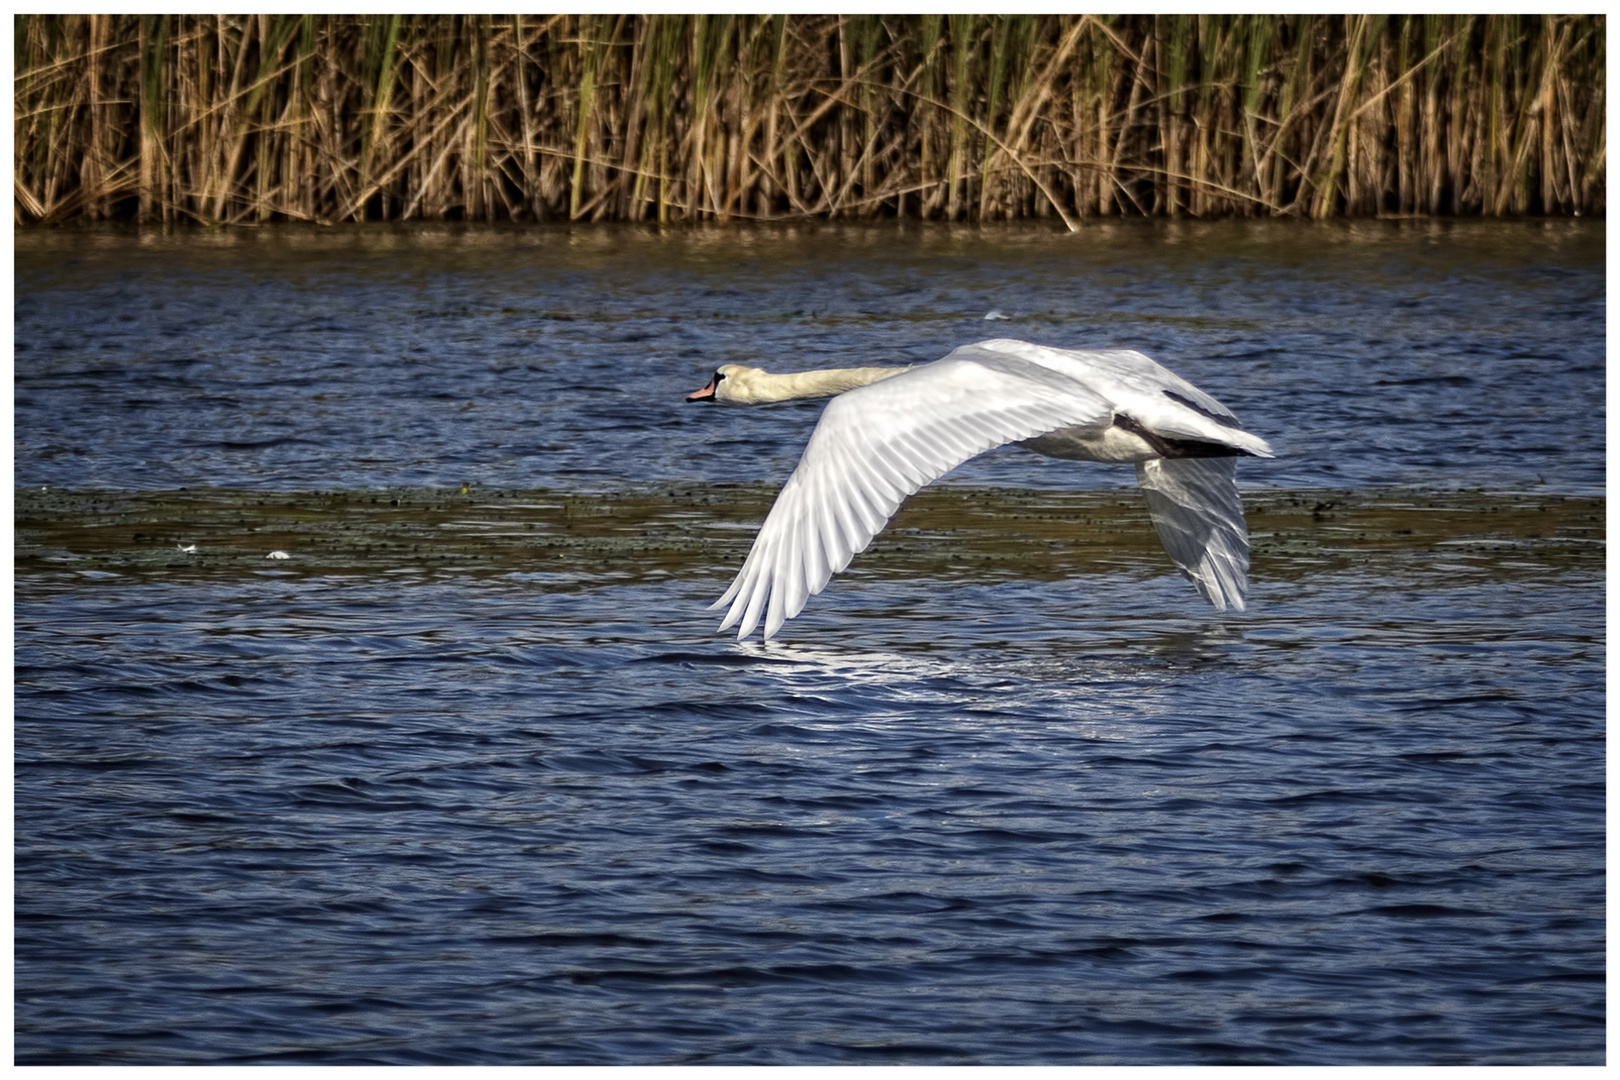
(150, 51)
(587, 99)
(1180, 30)
(382, 41)
(774, 173)
(1203, 167)
(1000, 46)
(1091, 179)
(1256, 39)
(962, 55)
(930, 44)
(479, 198)
(670, 33)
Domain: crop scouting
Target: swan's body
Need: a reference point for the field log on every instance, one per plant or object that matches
(889, 431)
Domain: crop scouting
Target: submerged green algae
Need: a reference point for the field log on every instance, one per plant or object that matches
(585, 539)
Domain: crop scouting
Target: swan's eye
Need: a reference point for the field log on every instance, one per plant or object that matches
(718, 376)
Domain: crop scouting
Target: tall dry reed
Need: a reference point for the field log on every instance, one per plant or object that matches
(258, 118)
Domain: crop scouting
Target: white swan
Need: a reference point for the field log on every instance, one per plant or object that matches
(889, 431)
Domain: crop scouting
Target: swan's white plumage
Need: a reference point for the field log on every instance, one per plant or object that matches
(880, 442)
(1195, 508)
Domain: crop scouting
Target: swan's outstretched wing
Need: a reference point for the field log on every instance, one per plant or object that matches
(1195, 506)
(874, 446)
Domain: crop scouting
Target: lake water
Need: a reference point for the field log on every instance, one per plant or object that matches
(469, 778)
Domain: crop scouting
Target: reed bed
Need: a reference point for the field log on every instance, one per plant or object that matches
(675, 118)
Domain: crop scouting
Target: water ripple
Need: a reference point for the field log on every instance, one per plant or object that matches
(412, 802)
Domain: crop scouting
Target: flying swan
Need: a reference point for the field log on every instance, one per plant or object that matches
(889, 431)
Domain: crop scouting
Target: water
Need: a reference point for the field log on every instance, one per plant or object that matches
(475, 783)
(1449, 355)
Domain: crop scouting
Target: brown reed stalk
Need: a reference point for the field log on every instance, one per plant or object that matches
(265, 118)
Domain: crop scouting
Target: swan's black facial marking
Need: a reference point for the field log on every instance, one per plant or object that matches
(1224, 421)
(708, 393)
(1166, 447)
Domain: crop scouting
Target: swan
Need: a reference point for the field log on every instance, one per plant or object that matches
(888, 431)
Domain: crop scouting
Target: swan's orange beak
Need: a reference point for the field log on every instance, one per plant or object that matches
(705, 394)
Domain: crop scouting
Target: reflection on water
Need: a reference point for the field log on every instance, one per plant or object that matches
(470, 778)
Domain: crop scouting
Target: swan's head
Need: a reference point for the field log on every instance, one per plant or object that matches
(732, 384)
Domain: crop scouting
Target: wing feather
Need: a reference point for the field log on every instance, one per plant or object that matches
(874, 446)
(1195, 507)
(1137, 384)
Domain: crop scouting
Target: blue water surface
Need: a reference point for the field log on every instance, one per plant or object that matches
(1444, 355)
(430, 816)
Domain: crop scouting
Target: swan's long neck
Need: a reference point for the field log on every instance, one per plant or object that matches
(760, 387)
